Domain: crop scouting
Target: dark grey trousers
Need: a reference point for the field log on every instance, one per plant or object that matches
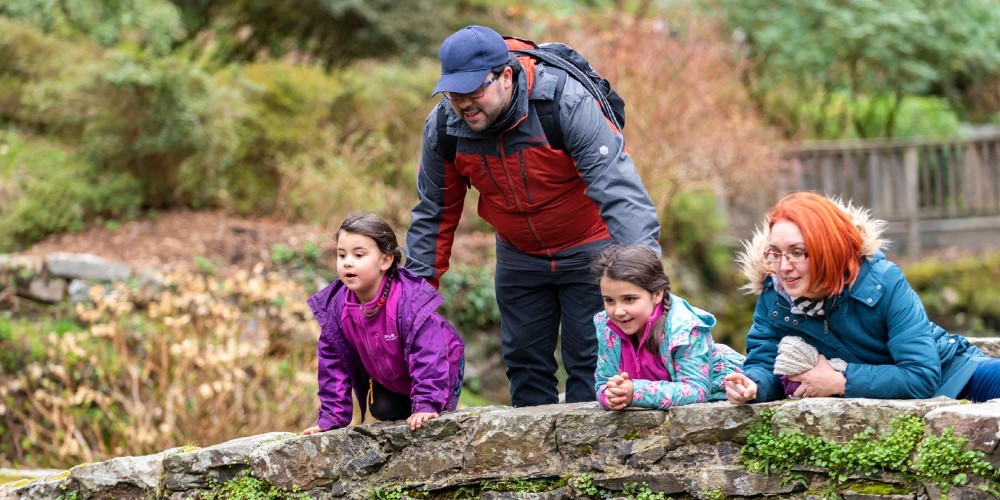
(533, 307)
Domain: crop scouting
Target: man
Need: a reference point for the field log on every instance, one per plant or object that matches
(552, 209)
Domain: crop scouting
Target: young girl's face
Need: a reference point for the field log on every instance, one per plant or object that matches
(361, 264)
(628, 305)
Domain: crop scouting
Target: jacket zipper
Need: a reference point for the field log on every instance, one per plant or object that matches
(486, 171)
(517, 203)
(524, 177)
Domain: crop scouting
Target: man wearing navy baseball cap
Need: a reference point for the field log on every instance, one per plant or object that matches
(468, 56)
(556, 183)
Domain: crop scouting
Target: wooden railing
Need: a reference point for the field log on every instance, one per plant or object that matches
(926, 190)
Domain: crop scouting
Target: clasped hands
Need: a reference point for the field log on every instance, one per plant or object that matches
(618, 391)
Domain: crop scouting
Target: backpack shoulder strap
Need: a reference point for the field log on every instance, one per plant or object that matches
(553, 57)
(447, 144)
(548, 114)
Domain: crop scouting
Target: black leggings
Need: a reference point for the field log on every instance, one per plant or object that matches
(387, 405)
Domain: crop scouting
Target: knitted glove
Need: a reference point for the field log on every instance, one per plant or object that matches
(796, 356)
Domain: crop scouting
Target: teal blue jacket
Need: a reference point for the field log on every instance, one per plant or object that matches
(878, 326)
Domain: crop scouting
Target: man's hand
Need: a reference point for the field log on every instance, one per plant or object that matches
(739, 388)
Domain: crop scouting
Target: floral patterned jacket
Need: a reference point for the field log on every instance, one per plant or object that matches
(696, 364)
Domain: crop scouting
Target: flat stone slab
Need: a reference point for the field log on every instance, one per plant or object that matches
(217, 464)
(86, 266)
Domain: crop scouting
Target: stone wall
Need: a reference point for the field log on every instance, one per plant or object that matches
(689, 451)
(686, 452)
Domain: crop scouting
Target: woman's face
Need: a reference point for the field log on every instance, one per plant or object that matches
(628, 305)
(786, 238)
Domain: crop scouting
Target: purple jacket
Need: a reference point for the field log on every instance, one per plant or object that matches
(433, 349)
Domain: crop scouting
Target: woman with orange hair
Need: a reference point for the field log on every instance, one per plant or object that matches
(835, 318)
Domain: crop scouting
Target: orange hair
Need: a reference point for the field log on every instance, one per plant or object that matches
(832, 240)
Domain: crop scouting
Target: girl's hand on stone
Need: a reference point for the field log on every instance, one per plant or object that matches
(739, 388)
(417, 419)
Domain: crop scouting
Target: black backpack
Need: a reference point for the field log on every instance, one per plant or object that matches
(562, 60)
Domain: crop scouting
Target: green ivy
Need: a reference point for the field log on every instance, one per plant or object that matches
(941, 460)
(584, 484)
(393, 492)
(944, 461)
(248, 487)
(642, 491)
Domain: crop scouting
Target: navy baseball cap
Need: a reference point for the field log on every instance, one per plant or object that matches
(467, 56)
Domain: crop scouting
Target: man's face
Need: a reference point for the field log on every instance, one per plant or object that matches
(490, 101)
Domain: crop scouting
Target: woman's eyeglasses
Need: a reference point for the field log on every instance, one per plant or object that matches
(475, 94)
(793, 257)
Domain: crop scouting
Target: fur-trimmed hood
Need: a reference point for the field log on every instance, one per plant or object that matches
(755, 269)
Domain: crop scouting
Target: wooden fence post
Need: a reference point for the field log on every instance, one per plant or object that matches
(911, 171)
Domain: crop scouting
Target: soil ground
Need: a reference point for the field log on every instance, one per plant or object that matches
(231, 243)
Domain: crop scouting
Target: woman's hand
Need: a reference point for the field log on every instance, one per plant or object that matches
(821, 381)
(417, 419)
(618, 392)
(312, 430)
(739, 388)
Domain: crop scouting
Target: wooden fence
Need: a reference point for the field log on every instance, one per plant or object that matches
(932, 193)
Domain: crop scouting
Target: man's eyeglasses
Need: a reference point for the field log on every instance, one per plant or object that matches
(475, 94)
(793, 257)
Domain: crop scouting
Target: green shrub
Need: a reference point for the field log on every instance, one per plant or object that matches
(151, 24)
(38, 76)
(926, 117)
(46, 190)
(269, 114)
(147, 121)
(470, 301)
(694, 227)
(960, 294)
(384, 105)
(940, 459)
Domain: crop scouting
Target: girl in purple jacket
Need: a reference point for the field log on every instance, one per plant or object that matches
(381, 335)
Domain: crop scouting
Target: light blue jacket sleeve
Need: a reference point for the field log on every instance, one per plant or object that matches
(609, 353)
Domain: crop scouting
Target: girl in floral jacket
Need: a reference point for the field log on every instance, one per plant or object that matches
(654, 349)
